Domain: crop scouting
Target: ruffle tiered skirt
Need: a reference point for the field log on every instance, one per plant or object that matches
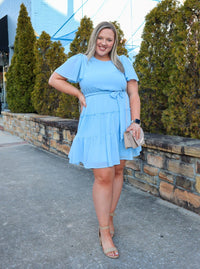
(99, 140)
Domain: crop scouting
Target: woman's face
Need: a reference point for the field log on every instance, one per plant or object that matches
(104, 44)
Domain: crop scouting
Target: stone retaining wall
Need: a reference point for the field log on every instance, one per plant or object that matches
(169, 166)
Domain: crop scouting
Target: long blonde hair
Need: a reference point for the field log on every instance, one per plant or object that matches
(93, 39)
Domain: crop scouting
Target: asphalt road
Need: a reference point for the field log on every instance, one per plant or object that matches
(47, 218)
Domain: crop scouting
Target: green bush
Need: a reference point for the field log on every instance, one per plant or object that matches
(49, 55)
(154, 63)
(20, 76)
(168, 65)
(182, 117)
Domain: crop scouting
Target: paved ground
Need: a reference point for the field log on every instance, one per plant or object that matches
(47, 219)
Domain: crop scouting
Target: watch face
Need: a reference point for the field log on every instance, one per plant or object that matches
(137, 121)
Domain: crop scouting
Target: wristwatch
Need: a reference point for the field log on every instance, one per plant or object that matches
(136, 121)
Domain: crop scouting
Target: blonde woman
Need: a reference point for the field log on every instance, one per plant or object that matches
(110, 103)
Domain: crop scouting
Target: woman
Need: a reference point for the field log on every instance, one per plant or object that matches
(106, 112)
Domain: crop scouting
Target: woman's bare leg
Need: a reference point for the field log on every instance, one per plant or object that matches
(102, 197)
(117, 188)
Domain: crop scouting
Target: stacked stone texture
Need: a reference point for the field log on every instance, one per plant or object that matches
(169, 167)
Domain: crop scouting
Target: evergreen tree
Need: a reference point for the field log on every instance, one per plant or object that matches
(20, 76)
(154, 63)
(121, 49)
(69, 105)
(49, 55)
(80, 42)
(182, 117)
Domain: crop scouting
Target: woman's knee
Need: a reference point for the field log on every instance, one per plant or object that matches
(104, 176)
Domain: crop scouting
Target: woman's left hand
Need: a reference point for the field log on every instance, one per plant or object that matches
(135, 129)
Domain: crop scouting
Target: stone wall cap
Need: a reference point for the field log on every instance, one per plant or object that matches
(67, 124)
(173, 144)
(61, 123)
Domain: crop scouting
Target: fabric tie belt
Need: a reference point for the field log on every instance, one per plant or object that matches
(122, 101)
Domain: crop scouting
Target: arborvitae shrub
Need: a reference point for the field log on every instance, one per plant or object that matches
(49, 55)
(154, 63)
(168, 66)
(20, 75)
(182, 117)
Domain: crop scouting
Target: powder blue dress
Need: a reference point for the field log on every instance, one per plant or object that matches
(99, 140)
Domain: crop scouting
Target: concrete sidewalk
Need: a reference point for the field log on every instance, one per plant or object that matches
(47, 218)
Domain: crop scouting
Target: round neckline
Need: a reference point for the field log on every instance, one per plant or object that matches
(101, 60)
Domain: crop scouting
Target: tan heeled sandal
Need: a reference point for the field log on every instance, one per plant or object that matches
(112, 232)
(107, 250)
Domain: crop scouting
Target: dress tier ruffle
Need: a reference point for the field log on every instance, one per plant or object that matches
(99, 140)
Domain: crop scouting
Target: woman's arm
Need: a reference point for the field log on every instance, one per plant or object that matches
(60, 83)
(132, 89)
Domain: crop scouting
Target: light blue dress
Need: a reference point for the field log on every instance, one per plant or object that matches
(99, 140)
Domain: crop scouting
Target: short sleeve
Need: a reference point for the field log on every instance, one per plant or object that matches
(128, 67)
(73, 68)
